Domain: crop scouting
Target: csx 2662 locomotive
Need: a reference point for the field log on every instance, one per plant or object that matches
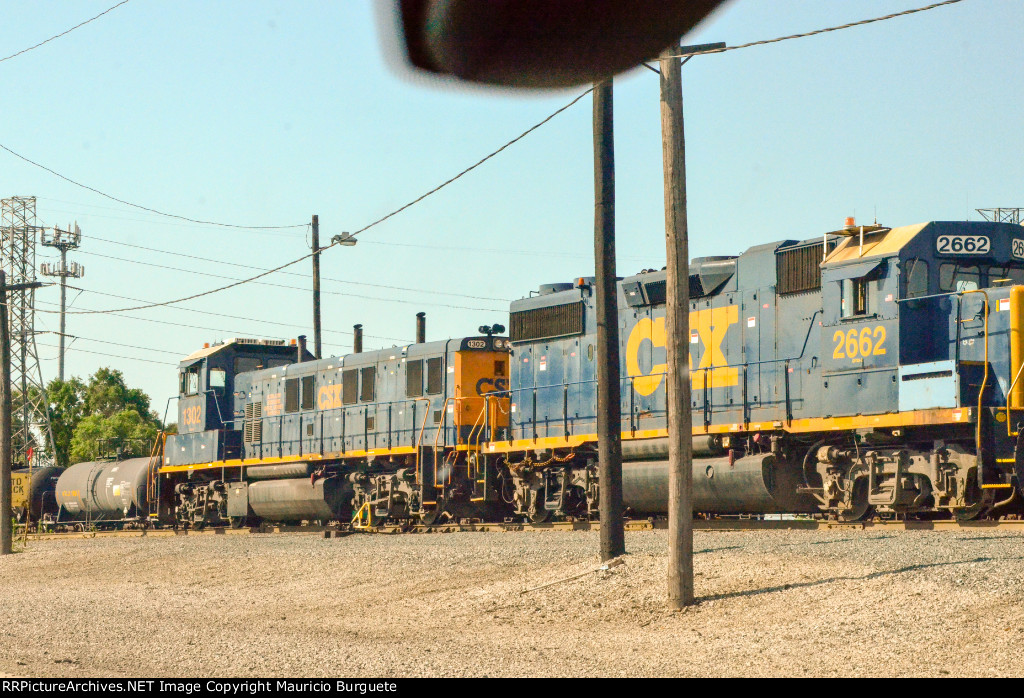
(870, 370)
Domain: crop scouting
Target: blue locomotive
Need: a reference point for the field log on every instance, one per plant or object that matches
(871, 370)
(269, 433)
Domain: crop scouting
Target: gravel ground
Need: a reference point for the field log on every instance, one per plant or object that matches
(850, 603)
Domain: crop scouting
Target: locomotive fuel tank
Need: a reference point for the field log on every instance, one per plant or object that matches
(34, 490)
(107, 490)
(297, 499)
(756, 484)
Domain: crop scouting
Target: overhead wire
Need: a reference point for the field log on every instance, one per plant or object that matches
(63, 33)
(111, 356)
(146, 208)
(332, 244)
(818, 31)
(215, 314)
(294, 288)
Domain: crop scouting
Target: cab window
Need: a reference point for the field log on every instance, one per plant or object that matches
(218, 378)
(955, 278)
(855, 297)
(244, 364)
(1006, 276)
(190, 380)
(915, 278)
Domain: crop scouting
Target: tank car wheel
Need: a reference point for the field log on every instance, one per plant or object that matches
(237, 521)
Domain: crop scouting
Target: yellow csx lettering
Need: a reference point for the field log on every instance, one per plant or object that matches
(711, 326)
(329, 397)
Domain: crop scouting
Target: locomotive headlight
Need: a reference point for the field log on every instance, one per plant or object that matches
(499, 344)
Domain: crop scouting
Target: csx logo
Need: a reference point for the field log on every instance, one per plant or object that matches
(491, 385)
(710, 325)
(329, 397)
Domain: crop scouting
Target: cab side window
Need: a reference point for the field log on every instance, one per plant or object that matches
(190, 381)
(855, 297)
(915, 278)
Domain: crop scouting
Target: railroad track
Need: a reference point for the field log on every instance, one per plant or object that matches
(475, 527)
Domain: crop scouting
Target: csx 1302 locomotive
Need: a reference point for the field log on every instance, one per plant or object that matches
(866, 371)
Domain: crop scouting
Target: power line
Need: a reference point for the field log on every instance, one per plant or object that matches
(477, 163)
(146, 208)
(117, 344)
(322, 249)
(68, 31)
(112, 356)
(216, 329)
(250, 266)
(291, 288)
(819, 31)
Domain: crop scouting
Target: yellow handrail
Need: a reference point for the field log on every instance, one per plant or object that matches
(357, 520)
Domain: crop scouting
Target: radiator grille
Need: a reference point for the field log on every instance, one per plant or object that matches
(252, 430)
(655, 291)
(799, 270)
(547, 323)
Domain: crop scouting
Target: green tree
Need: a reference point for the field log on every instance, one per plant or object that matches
(94, 419)
(125, 434)
(107, 394)
(67, 409)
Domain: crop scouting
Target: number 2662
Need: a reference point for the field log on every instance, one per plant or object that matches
(852, 344)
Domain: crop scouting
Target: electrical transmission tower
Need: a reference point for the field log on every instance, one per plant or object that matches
(1001, 215)
(18, 257)
(63, 240)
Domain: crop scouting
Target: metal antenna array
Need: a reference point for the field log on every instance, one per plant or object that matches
(18, 258)
(1001, 215)
(63, 240)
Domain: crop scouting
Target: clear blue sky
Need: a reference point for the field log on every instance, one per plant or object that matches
(264, 112)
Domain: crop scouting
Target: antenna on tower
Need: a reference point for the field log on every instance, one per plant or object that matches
(63, 240)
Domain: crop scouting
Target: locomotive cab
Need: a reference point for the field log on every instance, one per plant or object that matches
(206, 387)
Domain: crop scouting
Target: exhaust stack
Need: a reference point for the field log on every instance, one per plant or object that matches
(357, 341)
(301, 348)
(421, 328)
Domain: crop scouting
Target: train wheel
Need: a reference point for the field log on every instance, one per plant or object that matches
(430, 517)
(236, 521)
(541, 516)
(859, 508)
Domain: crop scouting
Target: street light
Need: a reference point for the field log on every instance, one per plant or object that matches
(347, 239)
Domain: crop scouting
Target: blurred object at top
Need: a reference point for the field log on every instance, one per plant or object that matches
(542, 43)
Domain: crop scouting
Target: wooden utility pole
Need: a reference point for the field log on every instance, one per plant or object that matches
(6, 457)
(609, 407)
(680, 445)
(316, 286)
